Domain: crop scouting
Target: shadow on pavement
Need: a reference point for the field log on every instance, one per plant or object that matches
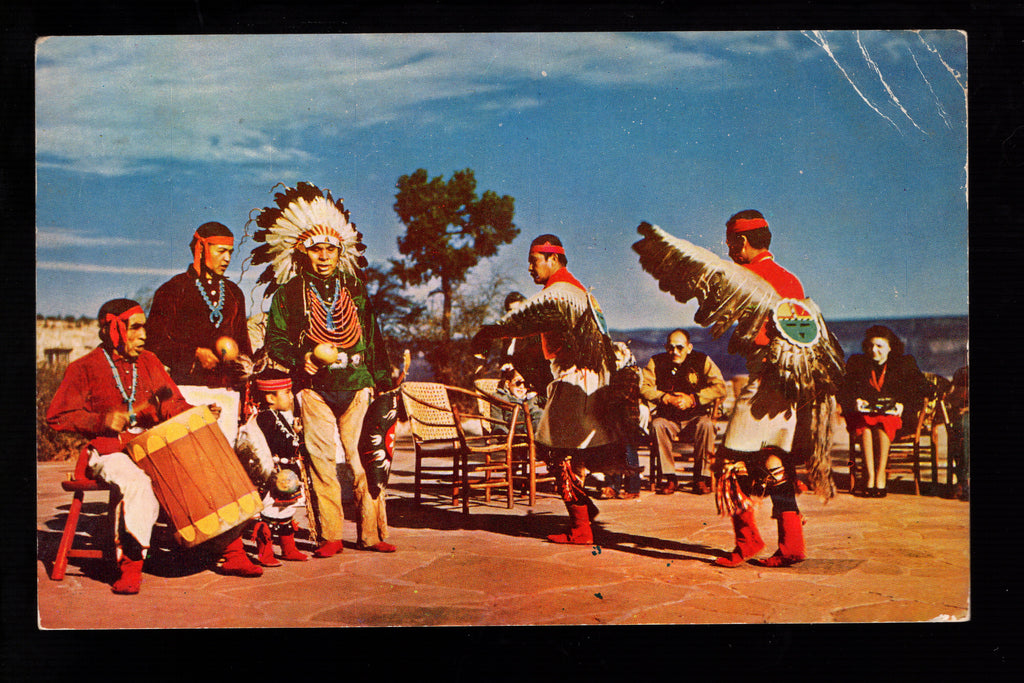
(406, 513)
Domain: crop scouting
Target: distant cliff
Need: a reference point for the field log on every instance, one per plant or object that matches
(938, 343)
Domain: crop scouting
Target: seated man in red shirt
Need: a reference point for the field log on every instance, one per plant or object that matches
(109, 396)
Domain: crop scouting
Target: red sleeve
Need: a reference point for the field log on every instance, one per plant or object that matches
(69, 411)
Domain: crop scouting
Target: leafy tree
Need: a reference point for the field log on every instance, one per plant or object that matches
(448, 230)
(399, 316)
(451, 359)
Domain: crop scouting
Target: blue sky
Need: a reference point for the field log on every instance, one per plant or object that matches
(853, 144)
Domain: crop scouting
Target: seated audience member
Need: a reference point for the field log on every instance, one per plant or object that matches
(882, 385)
(683, 385)
(959, 401)
(110, 396)
(512, 389)
(527, 357)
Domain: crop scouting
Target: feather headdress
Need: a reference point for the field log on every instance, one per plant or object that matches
(807, 371)
(304, 215)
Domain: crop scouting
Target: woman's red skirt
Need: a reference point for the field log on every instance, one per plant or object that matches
(890, 423)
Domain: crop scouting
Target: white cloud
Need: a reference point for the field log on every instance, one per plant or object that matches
(114, 105)
(92, 268)
(53, 238)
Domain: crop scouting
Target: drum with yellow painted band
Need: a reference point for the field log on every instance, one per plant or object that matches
(196, 476)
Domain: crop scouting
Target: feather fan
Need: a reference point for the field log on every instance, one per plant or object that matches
(728, 294)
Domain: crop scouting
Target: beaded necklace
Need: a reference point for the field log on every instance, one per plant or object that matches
(216, 316)
(290, 434)
(130, 400)
(328, 317)
(286, 429)
(335, 321)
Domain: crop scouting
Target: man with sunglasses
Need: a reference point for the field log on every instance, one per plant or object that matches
(683, 385)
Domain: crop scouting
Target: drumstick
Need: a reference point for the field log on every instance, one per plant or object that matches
(161, 394)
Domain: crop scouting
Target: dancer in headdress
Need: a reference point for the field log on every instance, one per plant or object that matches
(322, 328)
(784, 415)
(575, 340)
(192, 317)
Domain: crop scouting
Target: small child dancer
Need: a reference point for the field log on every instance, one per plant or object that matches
(275, 465)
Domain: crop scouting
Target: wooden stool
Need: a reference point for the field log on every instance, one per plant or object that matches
(78, 483)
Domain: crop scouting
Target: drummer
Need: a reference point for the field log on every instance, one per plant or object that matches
(109, 396)
(191, 313)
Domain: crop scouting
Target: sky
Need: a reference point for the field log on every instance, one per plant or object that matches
(852, 143)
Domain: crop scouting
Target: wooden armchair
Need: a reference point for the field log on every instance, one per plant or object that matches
(524, 452)
(925, 443)
(439, 430)
(682, 449)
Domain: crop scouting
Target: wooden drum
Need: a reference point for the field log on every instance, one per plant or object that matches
(196, 476)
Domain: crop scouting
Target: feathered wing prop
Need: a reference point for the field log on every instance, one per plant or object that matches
(301, 212)
(806, 370)
(565, 310)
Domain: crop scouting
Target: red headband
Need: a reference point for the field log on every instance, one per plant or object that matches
(745, 224)
(116, 323)
(272, 385)
(202, 242)
(547, 249)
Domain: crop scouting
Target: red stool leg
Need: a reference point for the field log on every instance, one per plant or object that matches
(60, 564)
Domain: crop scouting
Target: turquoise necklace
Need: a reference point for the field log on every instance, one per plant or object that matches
(215, 313)
(328, 307)
(130, 400)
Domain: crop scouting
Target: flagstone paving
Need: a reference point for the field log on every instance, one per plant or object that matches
(904, 558)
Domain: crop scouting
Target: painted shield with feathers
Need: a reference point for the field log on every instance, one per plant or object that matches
(377, 440)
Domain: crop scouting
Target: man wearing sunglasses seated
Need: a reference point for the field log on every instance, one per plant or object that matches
(683, 385)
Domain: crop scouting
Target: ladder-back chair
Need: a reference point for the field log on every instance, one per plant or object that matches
(925, 443)
(524, 454)
(79, 483)
(438, 430)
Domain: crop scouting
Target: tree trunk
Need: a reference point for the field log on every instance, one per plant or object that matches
(446, 310)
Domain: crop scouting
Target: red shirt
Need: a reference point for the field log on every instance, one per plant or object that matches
(88, 392)
(785, 283)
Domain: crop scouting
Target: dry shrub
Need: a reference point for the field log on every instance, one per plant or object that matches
(50, 444)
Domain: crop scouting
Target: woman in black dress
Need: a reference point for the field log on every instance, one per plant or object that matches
(882, 386)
